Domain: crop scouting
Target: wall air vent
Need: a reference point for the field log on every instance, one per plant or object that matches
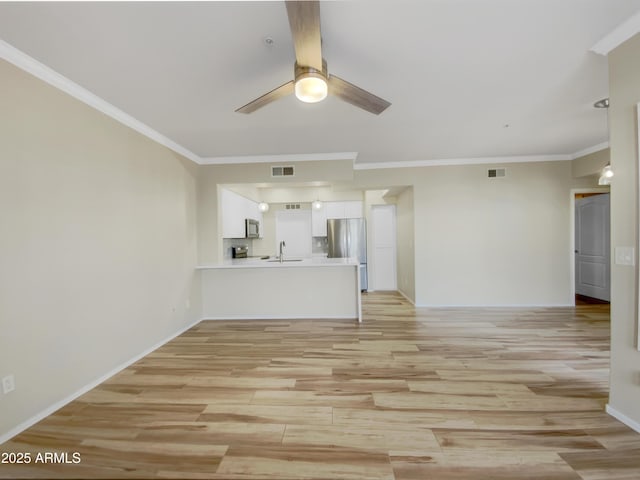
(292, 206)
(496, 172)
(280, 171)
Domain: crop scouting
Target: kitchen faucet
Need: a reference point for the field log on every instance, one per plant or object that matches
(282, 245)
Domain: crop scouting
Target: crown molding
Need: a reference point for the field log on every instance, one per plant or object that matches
(464, 161)
(618, 35)
(50, 76)
(590, 150)
(285, 158)
(483, 160)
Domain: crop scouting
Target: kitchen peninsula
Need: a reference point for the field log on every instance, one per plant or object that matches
(270, 289)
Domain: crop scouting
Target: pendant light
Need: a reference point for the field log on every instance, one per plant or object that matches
(606, 174)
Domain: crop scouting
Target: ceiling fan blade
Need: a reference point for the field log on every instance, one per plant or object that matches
(356, 95)
(272, 96)
(304, 21)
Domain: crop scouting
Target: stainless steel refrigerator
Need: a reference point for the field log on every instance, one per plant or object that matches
(347, 238)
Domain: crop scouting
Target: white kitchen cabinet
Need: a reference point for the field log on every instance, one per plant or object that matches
(334, 209)
(352, 209)
(234, 210)
(329, 210)
(319, 222)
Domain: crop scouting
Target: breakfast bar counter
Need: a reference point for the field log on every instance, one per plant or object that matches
(255, 288)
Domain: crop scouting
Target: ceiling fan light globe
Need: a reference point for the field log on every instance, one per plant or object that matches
(311, 88)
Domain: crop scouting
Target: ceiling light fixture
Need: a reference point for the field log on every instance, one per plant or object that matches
(263, 207)
(311, 84)
(604, 103)
(316, 204)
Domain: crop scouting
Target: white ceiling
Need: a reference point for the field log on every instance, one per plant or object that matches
(457, 72)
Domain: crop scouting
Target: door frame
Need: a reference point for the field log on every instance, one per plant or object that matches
(572, 234)
(371, 259)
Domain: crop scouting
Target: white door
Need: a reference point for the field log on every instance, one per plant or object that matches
(383, 223)
(592, 247)
(294, 227)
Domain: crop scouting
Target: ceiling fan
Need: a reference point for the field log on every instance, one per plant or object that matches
(311, 82)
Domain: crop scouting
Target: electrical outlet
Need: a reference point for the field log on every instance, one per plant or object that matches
(8, 384)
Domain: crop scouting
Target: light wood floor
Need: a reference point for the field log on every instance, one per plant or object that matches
(409, 394)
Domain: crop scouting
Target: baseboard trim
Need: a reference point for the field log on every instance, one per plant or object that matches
(623, 418)
(282, 317)
(536, 305)
(58, 405)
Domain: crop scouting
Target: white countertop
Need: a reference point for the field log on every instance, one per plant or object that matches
(305, 262)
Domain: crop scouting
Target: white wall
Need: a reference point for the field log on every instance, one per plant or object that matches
(97, 244)
(624, 84)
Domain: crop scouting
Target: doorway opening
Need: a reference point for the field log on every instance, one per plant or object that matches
(384, 252)
(591, 257)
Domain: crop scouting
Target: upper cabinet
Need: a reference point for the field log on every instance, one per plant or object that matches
(319, 221)
(351, 209)
(329, 210)
(235, 209)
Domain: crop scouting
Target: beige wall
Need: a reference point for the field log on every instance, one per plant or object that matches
(478, 241)
(97, 245)
(590, 164)
(624, 84)
(406, 247)
(482, 241)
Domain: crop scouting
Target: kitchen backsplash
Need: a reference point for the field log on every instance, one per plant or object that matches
(319, 245)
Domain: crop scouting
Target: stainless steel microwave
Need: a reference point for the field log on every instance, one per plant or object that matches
(252, 228)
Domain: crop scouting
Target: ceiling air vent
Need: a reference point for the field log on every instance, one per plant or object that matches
(495, 172)
(282, 171)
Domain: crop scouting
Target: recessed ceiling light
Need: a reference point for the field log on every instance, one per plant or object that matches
(268, 41)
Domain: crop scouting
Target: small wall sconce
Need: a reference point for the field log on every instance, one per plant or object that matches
(605, 175)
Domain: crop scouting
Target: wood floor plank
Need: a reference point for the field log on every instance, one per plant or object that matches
(477, 465)
(312, 415)
(379, 439)
(410, 393)
(304, 462)
(605, 464)
(305, 397)
(492, 440)
(435, 401)
(212, 433)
